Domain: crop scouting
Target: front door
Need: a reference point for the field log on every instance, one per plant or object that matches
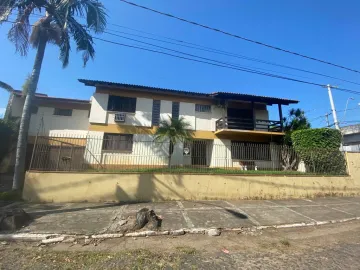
(198, 155)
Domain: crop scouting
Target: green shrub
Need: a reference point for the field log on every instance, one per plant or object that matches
(10, 196)
(320, 150)
(8, 137)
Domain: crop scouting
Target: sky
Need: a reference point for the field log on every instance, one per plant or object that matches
(327, 30)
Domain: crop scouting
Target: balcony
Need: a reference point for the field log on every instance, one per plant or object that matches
(228, 124)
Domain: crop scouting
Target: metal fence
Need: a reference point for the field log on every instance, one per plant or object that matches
(124, 153)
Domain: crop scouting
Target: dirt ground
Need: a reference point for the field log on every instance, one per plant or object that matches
(321, 247)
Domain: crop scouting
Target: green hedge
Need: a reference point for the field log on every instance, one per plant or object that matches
(320, 150)
(7, 135)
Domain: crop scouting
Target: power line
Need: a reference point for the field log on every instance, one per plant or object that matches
(221, 65)
(226, 66)
(212, 50)
(192, 55)
(239, 37)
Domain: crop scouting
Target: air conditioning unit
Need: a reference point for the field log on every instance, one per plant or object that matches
(120, 117)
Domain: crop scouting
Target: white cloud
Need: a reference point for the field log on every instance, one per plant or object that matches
(2, 112)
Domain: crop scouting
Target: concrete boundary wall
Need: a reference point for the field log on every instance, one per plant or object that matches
(95, 187)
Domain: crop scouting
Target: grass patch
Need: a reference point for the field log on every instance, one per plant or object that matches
(10, 196)
(285, 242)
(135, 259)
(205, 170)
(186, 250)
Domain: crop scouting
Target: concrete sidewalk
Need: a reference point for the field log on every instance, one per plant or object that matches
(97, 218)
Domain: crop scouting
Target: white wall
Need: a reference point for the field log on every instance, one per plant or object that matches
(78, 123)
(261, 115)
(203, 121)
(144, 152)
(99, 103)
(216, 114)
(221, 153)
(187, 110)
(141, 117)
(17, 106)
(165, 110)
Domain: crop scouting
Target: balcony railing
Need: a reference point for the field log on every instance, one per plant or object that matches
(248, 124)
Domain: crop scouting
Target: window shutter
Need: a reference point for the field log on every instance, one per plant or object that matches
(175, 110)
(156, 112)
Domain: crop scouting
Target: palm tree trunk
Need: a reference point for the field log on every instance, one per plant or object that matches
(169, 162)
(19, 175)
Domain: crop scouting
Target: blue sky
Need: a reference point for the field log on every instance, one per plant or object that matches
(327, 30)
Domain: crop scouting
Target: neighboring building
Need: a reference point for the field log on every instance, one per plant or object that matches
(50, 116)
(351, 138)
(131, 113)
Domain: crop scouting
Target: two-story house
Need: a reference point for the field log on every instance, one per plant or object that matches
(124, 118)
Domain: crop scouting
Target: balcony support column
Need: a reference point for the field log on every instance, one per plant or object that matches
(281, 118)
(254, 114)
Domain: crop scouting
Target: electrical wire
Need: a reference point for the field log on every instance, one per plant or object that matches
(240, 37)
(212, 50)
(221, 65)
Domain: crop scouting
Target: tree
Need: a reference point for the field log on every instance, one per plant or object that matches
(57, 25)
(173, 131)
(296, 120)
(9, 105)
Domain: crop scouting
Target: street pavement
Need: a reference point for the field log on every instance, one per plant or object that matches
(96, 218)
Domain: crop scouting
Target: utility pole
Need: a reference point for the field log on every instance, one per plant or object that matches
(327, 119)
(336, 123)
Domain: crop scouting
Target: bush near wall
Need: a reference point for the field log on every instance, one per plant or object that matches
(8, 137)
(320, 150)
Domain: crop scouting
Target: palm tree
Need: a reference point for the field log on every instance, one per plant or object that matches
(9, 105)
(173, 131)
(57, 25)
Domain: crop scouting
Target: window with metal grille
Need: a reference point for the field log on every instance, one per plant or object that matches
(118, 142)
(63, 112)
(175, 110)
(202, 108)
(122, 104)
(156, 112)
(250, 151)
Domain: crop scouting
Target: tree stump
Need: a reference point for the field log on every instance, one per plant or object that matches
(13, 219)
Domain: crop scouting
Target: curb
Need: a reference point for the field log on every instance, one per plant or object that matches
(48, 238)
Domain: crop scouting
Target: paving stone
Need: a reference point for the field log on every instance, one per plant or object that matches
(350, 199)
(84, 222)
(225, 218)
(251, 203)
(156, 206)
(327, 200)
(205, 204)
(321, 213)
(275, 216)
(353, 209)
(294, 202)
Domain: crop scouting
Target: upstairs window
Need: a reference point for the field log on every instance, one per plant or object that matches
(63, 112)
(118, 142)
(175, 110)
(202, 108)
(155, 121)
(121, 104)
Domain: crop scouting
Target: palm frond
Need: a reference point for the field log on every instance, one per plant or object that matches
(65, 49)
(6, 7)
(6, 87)
(175, 130)
(83, 39)
(93, 11)
(19, 33)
